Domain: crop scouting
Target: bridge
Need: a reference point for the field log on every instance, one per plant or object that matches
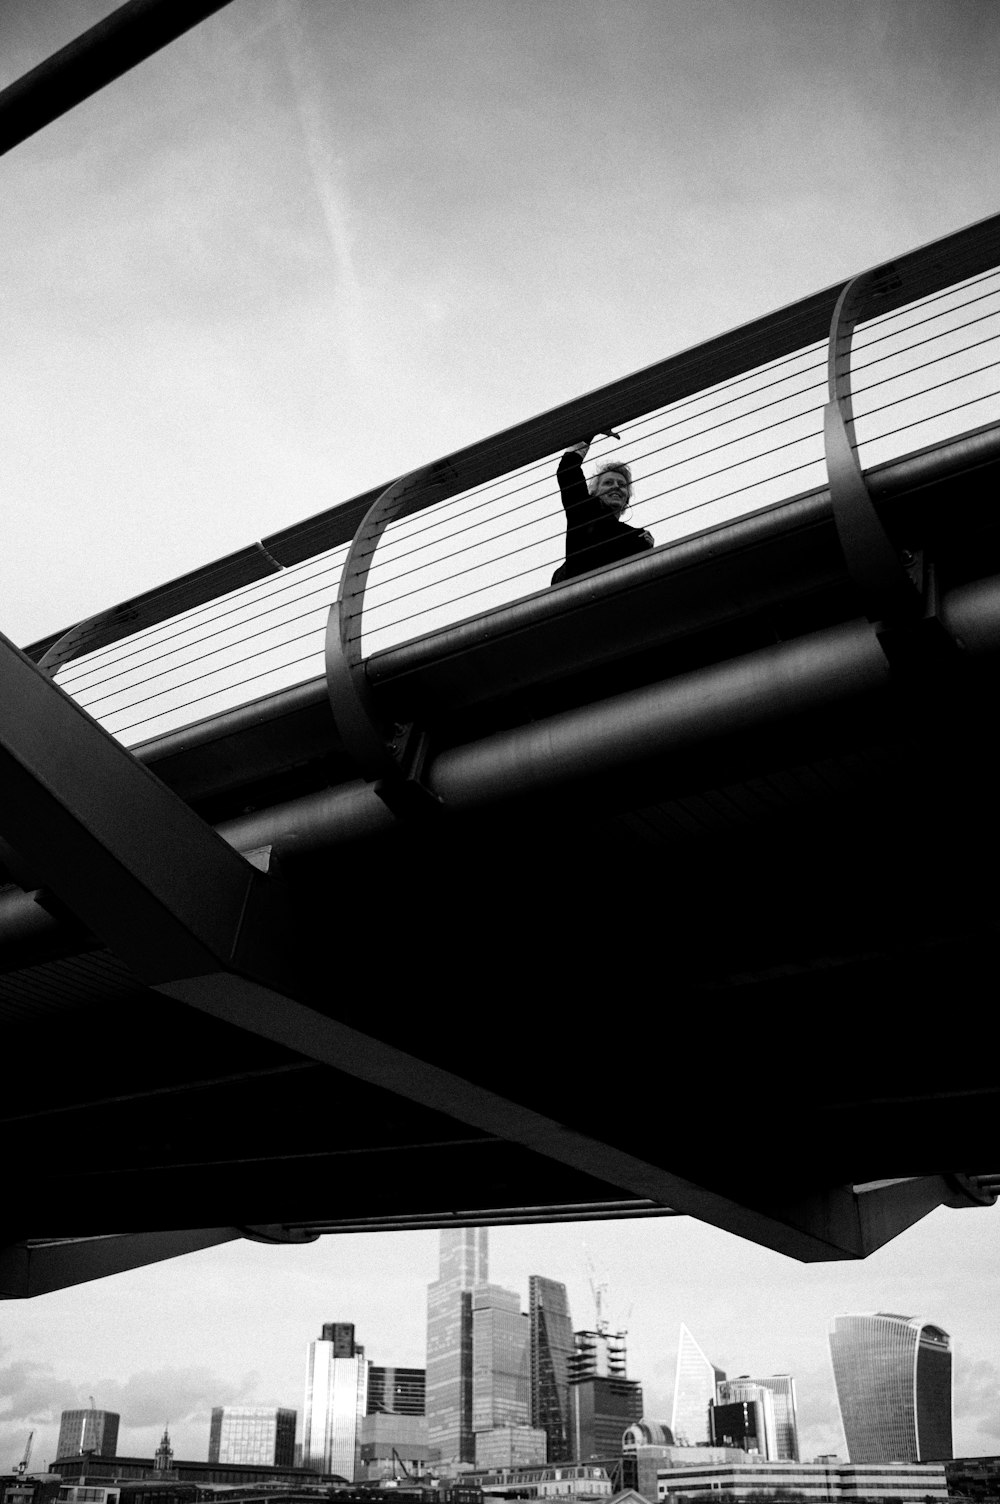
(363, 879)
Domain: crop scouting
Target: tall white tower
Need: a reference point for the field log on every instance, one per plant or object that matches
(335, 1401)
(694, 1390)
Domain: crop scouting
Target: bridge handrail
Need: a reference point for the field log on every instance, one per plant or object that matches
(918, 273)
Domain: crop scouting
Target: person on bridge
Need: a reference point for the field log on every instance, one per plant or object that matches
(595, 533)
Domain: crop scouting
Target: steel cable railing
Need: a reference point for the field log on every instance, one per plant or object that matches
(133, 646)
(627, 453)
(404, 532)
(377, 599)
(321, 590)
(407, 527)
(544, 500)
(632, 459)
(700, 461)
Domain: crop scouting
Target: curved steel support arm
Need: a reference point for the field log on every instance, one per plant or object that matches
(874, 563)
(68, 646)
(382, 750)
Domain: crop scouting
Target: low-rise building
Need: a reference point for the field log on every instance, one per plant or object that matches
(975, 1478)
(642, 1460)
(511, 1446)
(393, 1445)
(579, 1480)
(104, 1472)
(899, 1482)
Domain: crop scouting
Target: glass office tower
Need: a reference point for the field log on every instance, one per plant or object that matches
(501, 1353)
(552, 1348)
(255, 1434)
(893, 1378)
(396, 1391)
(786, 1415)
(463, 1267)
(336, 1391)
(695, 1384)
(743, 1416)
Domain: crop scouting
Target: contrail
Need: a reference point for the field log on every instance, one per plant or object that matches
(324, 169)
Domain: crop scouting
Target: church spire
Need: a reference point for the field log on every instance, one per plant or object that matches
(164, 1460)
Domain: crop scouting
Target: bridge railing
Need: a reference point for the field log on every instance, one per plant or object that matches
(730, 427)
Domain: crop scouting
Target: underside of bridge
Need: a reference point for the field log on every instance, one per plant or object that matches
(686, 904)
(694, 913)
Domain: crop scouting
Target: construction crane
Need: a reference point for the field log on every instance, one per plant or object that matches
(89, 1424)
(22, 1466)
(418, 1477)
(599, 1289)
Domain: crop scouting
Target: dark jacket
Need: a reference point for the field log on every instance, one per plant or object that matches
(594, 536)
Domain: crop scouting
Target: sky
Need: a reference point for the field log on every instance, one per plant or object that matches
(312, 245)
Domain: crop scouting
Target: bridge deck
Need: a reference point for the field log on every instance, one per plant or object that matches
(708, 852)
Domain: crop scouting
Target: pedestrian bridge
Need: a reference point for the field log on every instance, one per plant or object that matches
(362, 879)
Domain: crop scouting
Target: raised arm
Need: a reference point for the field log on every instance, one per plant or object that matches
(572, 484)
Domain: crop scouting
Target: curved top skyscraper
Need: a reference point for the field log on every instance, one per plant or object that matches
(893, 1378)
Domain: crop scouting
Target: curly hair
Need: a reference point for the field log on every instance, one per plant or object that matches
(618, 467)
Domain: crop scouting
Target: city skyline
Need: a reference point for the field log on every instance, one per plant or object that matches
(172, 1341)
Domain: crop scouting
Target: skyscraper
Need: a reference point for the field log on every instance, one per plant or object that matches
(552, 1348)
(786, 1414)
(396, 1391)
(88, 1431)
(501, 1359)
(463, 1267)
(893, 1378)
(743, 1416)
(336, 1390)
(255, 1434)
(694, 1390)
(603, 1400)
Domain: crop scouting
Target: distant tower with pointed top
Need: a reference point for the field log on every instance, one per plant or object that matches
(552, 1348)
(695, 1385)
(164, 1460)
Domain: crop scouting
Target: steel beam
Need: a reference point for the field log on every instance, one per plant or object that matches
(126, 856)
(37, 1266)
(92, 60)
(201, 925)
